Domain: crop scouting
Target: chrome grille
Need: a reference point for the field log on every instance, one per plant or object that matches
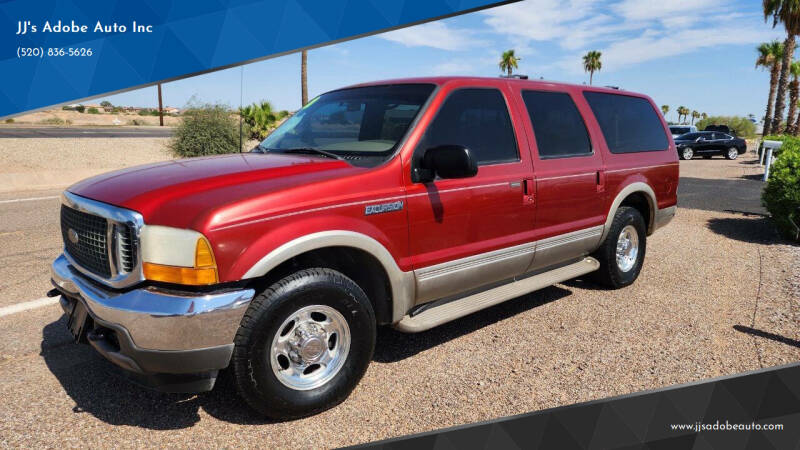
(126, 241)
(86, 240)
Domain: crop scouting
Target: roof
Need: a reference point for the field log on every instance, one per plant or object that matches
(440, 80)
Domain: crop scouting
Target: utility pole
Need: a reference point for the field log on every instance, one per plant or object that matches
(304, 76)
(160, 108)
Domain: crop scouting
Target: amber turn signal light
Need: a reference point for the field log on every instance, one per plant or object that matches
(203, 272)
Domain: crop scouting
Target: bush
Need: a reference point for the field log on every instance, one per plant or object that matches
(136, 122)
(781, 195)
(9, 120)
(53, 121)
(80, 108)
(105, 104)
(93, 111)
(66, 108)
(741, 126)
(144, 112)
(206, 130)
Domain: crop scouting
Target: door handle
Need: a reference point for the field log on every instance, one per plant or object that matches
(528, 191)
(600, 177)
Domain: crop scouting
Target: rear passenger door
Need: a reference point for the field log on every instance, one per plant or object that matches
(569, 175)
(470, 232)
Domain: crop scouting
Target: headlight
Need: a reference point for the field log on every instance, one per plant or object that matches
(174, 255)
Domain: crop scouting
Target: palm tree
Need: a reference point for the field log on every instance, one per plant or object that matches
(682, 111)
(695, 115)
(664, 110)
(591, 63)
(786, 12)
(770, 56)
(508, 61)
(304, 77)
(261, 118)
(703, 116)
(794, 88)
(797, 125)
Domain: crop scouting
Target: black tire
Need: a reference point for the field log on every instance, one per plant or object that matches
(252, 362)
(731, 153)
(609, 274)
(686, 153)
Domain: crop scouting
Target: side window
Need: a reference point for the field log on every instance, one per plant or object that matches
(629, 124)
(557, 125)
(477, 119)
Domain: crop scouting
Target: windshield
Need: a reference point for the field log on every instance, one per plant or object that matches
(679, 130)
(362, 125)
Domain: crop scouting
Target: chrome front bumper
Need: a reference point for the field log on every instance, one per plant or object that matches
(157, 320)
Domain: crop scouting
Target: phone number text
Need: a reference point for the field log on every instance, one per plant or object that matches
(41, 52)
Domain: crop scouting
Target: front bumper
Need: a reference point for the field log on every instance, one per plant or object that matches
(152, 331)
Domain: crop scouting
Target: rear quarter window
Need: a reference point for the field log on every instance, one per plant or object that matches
(629, 124)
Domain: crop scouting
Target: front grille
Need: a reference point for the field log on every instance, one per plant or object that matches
(127, 247)
(91, 249)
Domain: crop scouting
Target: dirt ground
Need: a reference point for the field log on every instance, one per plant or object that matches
(719, 294)
(75, 118)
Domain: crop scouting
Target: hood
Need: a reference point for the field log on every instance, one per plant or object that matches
(176, 193)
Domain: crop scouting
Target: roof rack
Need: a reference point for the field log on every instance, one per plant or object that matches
(518, 76)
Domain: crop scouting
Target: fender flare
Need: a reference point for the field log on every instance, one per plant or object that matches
(632, 188)
(402, 283)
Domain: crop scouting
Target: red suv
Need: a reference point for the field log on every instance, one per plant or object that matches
(407, 203)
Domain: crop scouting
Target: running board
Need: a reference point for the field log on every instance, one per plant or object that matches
(436, 315)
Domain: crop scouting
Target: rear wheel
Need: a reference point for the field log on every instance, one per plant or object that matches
(686, 153)
(622, 253)
(732, 153)
(304, 344)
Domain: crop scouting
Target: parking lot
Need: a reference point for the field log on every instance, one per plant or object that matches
(718, 295)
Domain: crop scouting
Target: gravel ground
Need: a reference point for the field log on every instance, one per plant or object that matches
(31, 163)
(718, 295)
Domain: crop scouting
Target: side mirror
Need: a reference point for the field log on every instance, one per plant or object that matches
(446, 161)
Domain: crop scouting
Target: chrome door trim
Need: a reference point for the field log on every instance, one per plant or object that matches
(453, 277)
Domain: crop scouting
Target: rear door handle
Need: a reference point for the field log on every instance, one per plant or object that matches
(528, 191)
(600, 178)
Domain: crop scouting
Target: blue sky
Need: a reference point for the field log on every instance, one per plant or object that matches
(699, 54)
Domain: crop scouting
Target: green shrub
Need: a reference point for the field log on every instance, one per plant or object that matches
(80, 108)
(53, 121)
(66, 108)
(93, 111)
(9, 120)
(144, 112)
(136, 122)
(206, 130)
(785, 138)
(781, 195)
(105, 103)
(741, 126)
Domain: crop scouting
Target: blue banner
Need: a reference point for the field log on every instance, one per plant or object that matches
(56, 51)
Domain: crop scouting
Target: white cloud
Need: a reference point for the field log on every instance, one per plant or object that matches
(455, 67)
(435, 35)
(626, 31)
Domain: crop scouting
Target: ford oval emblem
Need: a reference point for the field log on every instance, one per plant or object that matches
(72, 235)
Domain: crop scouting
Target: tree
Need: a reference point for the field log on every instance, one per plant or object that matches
(682, 112)
(703, 116)
(261, 118)
(786, 12)
(592, 63)
(304, 77)
(770, 57)
(794, 87)
(665, 109)
(106, 104)
(695, 115)
(508, 61)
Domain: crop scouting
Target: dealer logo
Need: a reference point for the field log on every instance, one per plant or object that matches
(383, 208)
(72, 235)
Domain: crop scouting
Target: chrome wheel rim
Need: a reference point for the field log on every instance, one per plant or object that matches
(310, 347)
(627, 248)
(732, 153)
(688, 153)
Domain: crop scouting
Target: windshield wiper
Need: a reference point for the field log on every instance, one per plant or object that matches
(311, 150)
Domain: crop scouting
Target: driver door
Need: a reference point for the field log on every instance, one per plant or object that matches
(470, 232)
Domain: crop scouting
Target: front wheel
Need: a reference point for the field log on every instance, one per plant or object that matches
(686, 153)
(732, 153)
(304, 344)
(621, 255)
